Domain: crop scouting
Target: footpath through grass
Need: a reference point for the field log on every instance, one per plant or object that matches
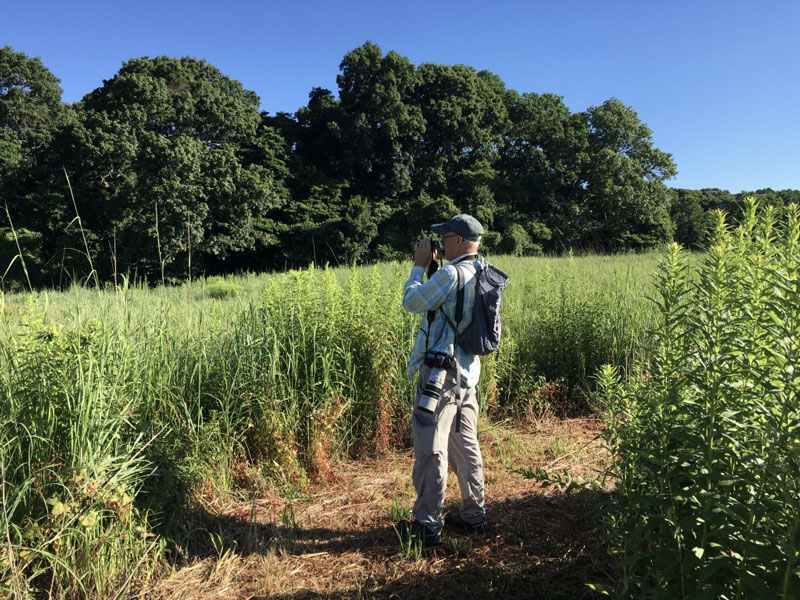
(337, 538)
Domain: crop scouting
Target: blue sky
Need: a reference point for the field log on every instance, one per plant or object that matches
(718, 82)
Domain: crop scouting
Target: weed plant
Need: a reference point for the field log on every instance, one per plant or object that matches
(123, 407)
(460, 546)
(411, 546)
(398, 511)
(707, 438)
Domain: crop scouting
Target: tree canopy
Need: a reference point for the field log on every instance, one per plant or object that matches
(168, 167)
(30, 108)
(167, 158)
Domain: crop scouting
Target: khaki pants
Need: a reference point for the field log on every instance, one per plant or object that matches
(436, 444)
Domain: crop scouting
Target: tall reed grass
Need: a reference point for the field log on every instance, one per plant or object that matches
(121, 408)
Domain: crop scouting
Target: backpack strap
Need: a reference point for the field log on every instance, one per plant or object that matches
(459, 314)
(459, 298)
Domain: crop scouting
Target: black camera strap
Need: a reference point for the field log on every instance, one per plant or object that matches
(432, 268)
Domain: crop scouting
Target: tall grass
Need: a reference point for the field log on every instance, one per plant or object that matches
(565, 317)
(706, 439)
(121, 409)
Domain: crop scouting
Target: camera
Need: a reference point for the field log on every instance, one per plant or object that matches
(432, 392)
(439, 360)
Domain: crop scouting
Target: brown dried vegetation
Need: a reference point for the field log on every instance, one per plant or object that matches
(335, 539)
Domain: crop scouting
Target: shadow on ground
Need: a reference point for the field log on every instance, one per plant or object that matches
(540, 545)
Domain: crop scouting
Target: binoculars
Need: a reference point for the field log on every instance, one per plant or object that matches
(434, 266)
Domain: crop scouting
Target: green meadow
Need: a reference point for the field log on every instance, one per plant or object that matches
(124, 409)
(119, 403)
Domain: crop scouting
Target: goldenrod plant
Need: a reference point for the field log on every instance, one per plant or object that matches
(706, 437)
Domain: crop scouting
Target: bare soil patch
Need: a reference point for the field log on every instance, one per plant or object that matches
(336, 540)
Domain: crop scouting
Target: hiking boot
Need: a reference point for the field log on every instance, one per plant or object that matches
(415, 530)
(453, 519)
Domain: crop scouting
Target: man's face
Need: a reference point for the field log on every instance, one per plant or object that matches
(451, 245)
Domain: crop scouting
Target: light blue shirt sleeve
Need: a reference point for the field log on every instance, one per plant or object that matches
(421, 297)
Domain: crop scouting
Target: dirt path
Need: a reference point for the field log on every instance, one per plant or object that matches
(338, 541)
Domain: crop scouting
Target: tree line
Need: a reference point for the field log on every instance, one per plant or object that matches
(169, 169)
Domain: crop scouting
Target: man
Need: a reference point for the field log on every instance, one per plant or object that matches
(445, 430)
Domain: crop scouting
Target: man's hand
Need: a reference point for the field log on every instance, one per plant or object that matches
(422, 254)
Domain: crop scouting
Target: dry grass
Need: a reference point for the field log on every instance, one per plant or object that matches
(337, 540)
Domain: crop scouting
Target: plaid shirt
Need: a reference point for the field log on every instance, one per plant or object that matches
(440, 291)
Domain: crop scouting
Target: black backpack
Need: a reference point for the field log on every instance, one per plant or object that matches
(482, 335)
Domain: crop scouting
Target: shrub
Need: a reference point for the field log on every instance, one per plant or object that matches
(71, 464)
(218, 287)
(707, 439)
(564, 318)
(20, 270)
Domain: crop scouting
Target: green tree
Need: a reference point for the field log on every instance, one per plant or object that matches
(30, 110)
(412, 223)
(464, 116)
(538, 186)
(766, 197)
(692, 221)
(169, 161)
(311, 225)
(17, 273)
(379, 124)
(315, 137)
(622, 185)
(354, 151)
